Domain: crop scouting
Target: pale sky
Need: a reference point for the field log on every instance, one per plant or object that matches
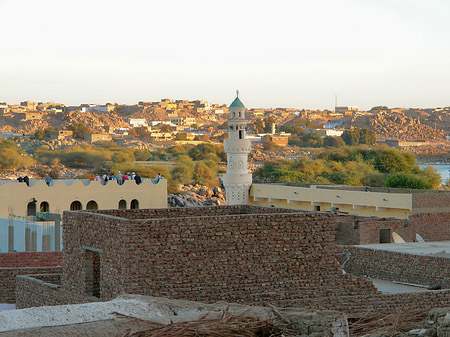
(284, 53)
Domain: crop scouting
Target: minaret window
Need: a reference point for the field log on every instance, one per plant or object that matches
(241, 134)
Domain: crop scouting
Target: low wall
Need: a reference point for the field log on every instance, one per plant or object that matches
(14, 264)
(44, 290)
(394, 266)
(358, 305)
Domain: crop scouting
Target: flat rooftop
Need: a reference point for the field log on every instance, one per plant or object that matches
(437, 249)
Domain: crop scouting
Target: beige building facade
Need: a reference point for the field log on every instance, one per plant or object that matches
(333, 198)
(79, 194)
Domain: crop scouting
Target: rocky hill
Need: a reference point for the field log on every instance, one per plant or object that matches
(96, 122)
(397, 126)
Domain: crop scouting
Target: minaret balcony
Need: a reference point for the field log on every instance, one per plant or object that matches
(237, 145)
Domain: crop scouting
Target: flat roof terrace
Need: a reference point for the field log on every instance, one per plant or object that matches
(436, 249)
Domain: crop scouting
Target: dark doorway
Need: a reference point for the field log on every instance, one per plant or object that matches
(92, 205)
(75, 206)
(92, 273)
(134, 204)
(122, 204)
(317, 208)
(385, 235)
(31, 209)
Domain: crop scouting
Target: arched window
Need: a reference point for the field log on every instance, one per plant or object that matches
(122, 204)
(44, 207)
(31, 208)
(92, 205)
(134, 204)
(75, 206)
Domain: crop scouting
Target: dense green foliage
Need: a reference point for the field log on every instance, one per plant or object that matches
(44, 133)
(264, 125)
(358, 166)
(79, 130)
(359, 136)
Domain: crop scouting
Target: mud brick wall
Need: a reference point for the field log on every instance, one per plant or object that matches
(13, 264)
(433, 202)
(358, 305)
(432, 226)
(192, 211)
(30, 259)
(369, 231)
(393, 266)
(250, 258)
(44, 290)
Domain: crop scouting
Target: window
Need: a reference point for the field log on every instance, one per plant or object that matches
(317, 208)
(44, 207)
(134, 204)
(75, 206)
(122, 204)
(241, 134)
(92, 205)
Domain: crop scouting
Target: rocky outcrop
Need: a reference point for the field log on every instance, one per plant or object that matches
(195, 196)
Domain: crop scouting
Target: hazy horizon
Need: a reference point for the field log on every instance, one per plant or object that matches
(278, 54)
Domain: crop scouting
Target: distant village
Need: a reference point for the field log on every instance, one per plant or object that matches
(198, 121)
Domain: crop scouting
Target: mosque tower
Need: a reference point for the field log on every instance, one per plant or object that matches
(237, 180)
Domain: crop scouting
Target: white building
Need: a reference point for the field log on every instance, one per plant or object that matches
(137, 122)
(237, 181)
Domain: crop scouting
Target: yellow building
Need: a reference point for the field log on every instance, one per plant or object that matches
(76, 194)
(362, 201)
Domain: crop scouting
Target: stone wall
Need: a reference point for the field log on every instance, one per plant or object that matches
(192, 211)
(250, 258)
(14, 264)
(430, 202)
(394, 266)
(354, 230)
(44, 290)
(228, 253)
(358, 305)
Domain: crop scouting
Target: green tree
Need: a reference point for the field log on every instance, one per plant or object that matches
(406, 180)
(379, 107)
(44, 133)
(205, 173)
(79, 130)
(268, 122)
(350, 137)
(393, 161)
(183, 172)
(367, 137)
(258, 125)
(333, 142)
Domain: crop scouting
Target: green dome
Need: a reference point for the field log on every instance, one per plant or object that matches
(237, 103)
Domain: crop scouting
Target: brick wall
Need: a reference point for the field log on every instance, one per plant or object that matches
(13, 264)
(268, 256)
(393, 266)
(248, 258)
(430, 202)
(192, 211)
(39, 290)
(30, 259)
(357, 306)
(354, 230)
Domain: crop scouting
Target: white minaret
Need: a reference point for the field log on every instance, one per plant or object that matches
(237, 180)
